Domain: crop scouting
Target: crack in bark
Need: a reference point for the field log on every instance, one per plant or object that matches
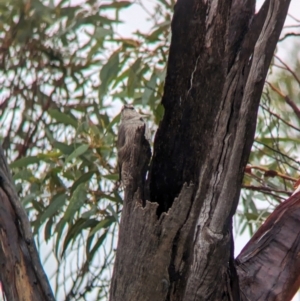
(192, 75)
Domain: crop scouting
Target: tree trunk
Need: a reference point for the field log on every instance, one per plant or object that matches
(180, 246)
(21, 273)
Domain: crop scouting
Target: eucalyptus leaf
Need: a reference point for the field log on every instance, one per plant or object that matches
(77, 152)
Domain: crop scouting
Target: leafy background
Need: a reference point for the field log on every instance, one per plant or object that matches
(65, 70)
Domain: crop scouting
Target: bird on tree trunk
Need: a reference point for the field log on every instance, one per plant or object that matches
(131, 121)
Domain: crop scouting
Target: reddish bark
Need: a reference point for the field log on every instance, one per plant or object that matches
(269, 264)
(21, 273)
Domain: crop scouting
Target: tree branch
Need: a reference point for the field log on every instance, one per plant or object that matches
(22, 232)
(265, 189)
(273, 252)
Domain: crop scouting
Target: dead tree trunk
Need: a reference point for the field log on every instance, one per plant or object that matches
(179, 246)
(21, 273)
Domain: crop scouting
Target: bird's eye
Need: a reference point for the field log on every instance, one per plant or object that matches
(130, 107)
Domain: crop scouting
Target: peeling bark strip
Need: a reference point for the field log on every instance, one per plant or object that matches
(273, 254)
(21, 271)
(219, 57)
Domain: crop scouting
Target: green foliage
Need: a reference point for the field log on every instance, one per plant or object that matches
(65, 71)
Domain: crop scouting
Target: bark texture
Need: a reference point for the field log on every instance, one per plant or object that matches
(268, 266)
(219, 57)
(195, 75)
(150, 281)
(21, 272)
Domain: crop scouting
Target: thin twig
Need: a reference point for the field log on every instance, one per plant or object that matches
(292, 26)
(295, 19)
(270, 173)
(288, 100)
(31, 133)
(265, 189)
(278, 117)
(276, 159)
(288, 68)
(277, 151)
(287, 35)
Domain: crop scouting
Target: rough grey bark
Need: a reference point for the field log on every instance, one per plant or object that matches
(216, 71)
(224, 167)
(21, 272)
(149, 281)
